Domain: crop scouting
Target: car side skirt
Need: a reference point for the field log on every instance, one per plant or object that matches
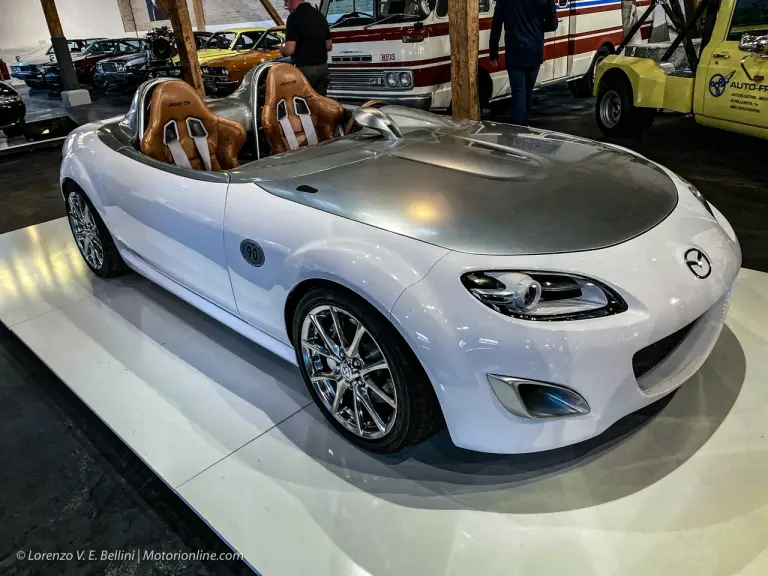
(285, 351)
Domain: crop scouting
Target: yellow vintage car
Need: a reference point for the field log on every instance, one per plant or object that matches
(223, 75)
(716, 69)
(228, 43)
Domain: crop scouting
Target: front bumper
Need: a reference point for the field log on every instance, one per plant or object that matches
(127, 79)
(420, 101)
(219, 86)
(31, 77)
(460, 341)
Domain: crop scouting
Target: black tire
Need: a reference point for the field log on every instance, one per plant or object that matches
(584, 87)
(97, 81)
(615, 109)
(15, 130)
(112, 263)
(418, 413)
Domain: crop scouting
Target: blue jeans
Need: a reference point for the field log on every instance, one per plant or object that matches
(521, 82)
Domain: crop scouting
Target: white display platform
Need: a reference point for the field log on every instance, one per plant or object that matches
(232, 430)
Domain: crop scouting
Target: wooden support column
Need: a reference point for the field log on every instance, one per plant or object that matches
(63, 56)
(272, 12)
(199, 15)
(463, 33)
(178, 12)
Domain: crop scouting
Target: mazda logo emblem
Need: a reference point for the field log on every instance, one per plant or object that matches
(698, 263)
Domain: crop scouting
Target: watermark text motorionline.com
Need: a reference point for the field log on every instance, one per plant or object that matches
(136, 555)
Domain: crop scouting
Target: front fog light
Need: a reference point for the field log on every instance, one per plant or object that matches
(532, 399)
(392, 80)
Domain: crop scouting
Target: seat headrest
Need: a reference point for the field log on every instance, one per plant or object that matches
(175, 100)
(285, 83)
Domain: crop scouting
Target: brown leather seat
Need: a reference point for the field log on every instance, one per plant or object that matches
(285, 83)
(175, 100)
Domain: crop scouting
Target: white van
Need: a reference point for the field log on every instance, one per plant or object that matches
(399, 51)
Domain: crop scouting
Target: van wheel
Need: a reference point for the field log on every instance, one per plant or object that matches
(585, 86)
(615, 109)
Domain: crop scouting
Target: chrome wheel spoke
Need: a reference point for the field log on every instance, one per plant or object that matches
(329, 344)
(87, 216)
(365, 370)
(337, 327)
(352, 351)
(309, 346)
(357, 414)
(381, 394)
(341, 388)
(323, 376)
(363, 398)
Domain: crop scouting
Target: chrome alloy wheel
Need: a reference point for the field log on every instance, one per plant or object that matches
(348, 371)
(85, 230)
(610, 109)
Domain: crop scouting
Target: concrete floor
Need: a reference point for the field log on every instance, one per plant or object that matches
(69, 483)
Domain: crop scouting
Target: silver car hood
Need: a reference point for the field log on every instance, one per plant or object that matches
(481, 188)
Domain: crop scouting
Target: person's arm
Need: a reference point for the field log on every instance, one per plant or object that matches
(328, 41)
(291, 36)
(550, 16)
(288, 48)
(496, 26)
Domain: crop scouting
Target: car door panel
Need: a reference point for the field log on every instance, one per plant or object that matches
(173, 219)
(736, 81)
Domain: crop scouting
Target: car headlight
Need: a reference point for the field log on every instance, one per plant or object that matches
(405, 79)
(392, 80)
(698, 196)
(543, 295)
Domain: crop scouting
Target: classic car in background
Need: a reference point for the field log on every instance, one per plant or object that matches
(127, 71)
(85, 62)
(201, 39)
(223, 75)
(227, 43)
(30, 69)
(12, 111)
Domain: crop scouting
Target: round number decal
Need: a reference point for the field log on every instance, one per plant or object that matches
(252, 252)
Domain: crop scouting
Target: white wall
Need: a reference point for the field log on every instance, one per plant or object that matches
(22, 24)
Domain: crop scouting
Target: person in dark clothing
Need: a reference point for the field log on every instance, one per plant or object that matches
(308, 41)
(524, 23)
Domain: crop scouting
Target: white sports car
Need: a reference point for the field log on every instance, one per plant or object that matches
(528, 288)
